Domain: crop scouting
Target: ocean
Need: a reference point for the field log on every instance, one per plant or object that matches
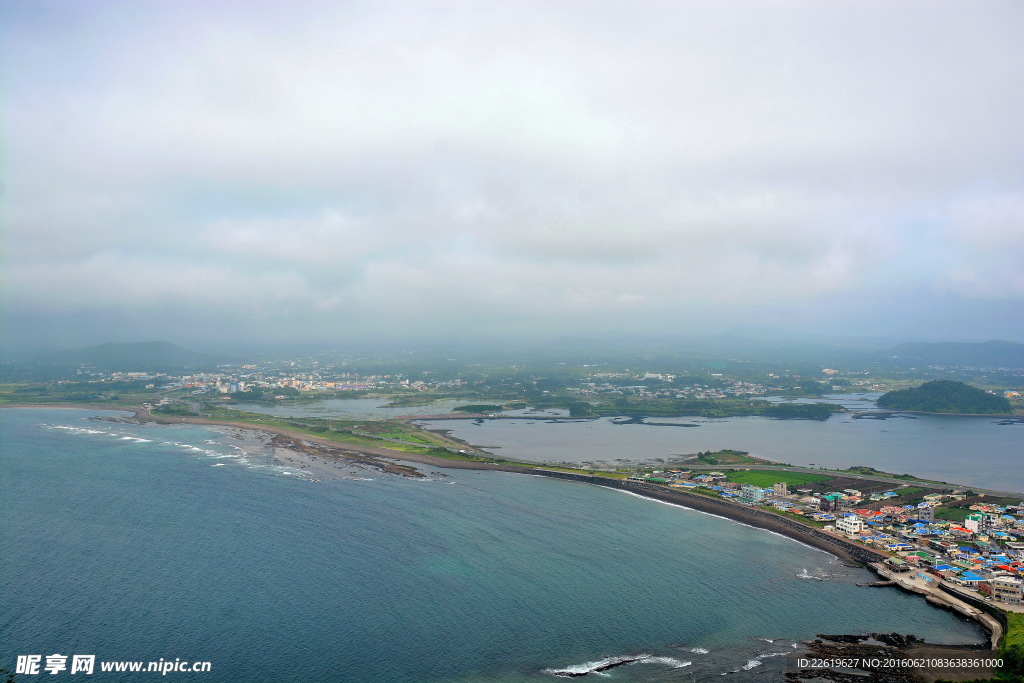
(142, 542)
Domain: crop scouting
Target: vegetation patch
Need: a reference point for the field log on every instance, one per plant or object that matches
(1011, 650)
(946, 396)
(801, 411)
(727, 457)
(872, 472)
(711, 407)
(477, 408)
(179, 409)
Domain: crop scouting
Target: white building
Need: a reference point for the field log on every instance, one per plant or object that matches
(1008, 589)
(851, 524)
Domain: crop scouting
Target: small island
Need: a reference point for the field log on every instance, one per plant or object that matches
(946, 396)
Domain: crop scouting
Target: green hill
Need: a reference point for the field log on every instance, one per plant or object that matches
(945, 396)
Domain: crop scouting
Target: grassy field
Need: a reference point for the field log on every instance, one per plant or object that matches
(766, 478)
(337, 431)
(1011, 649)
(951, 514)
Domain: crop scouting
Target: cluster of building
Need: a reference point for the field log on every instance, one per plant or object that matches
(249, 378)
(984, 553)
(242, 381)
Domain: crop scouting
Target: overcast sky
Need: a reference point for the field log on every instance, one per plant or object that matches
(287, 171)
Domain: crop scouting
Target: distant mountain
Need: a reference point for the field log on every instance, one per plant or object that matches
(990, 354)
(132, 357)
(945, 396)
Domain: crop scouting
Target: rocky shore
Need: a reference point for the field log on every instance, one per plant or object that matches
(888, 658)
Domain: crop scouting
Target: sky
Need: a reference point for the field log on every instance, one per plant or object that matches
(211, 173)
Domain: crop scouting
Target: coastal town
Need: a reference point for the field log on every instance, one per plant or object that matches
(977, 552)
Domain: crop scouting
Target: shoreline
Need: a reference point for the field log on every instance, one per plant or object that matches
(312, 448)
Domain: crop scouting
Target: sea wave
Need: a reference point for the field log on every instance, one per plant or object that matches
(76, 429)
(804, 574)
(205, 451)
(86, 430)
(758, 660)
(601, 665)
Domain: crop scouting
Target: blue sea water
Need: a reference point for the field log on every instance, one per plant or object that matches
(141, 542)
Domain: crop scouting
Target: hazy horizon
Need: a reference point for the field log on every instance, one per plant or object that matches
(263, 174)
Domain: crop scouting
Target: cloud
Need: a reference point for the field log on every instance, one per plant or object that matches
(584, 165)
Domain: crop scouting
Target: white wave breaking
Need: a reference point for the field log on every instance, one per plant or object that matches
(601, 665)
(236, 453)
(804, 574)
(83, 430)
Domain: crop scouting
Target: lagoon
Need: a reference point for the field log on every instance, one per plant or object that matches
(974, 451)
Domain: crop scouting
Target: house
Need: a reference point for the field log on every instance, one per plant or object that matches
(850, 524)
(897, 564)
(1008, 589)
(751, 495)
(968, 578)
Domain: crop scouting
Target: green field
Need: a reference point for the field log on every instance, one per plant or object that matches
(1012, 649)
(766, 478)
(952, 514)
